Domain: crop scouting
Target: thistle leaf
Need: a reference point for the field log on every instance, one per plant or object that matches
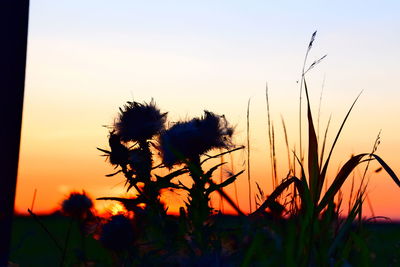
(228, 181)
(173, 174)
(112, 174)
(209, 173)
(103, 150)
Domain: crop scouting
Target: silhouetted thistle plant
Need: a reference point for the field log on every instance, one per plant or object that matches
(130, 142)
(184, 143)
(77, 206)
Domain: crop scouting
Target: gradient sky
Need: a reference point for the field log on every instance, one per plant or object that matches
(87, 58)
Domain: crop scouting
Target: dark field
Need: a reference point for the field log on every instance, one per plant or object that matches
(31, 246)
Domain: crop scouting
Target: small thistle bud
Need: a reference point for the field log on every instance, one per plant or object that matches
(117, 234)
(77, 205)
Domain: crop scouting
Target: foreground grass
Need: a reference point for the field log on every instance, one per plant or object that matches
(31, 246)
(253, 240)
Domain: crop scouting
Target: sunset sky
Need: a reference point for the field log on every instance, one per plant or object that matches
(87, 58)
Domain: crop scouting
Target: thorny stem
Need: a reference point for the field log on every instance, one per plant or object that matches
(66, 242)
(46, 230)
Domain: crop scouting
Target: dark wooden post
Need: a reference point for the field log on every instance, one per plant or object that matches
(13, 42)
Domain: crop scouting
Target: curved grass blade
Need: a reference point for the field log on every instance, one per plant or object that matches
(340, 178)
(345, 171)
(387, 169)
(278, 191)
(325, 168)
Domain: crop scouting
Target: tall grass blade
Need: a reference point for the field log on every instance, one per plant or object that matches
(221, 202)
(234, 183)
(313, 169)
(346, 226)
(301, 90)
(319, 107)
(325, 168)
(351, 194)
(270, 139)
(303, 176)
(287, 144)
(275, 177)
(248, 153)
(307, 205)
(324, 142)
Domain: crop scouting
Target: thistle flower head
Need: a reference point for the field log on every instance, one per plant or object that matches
(139, 122)
(215, 131)
(117, 234)
(188, 140)
(77, 205)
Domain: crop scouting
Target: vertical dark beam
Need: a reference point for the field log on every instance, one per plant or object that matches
(13, 42)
